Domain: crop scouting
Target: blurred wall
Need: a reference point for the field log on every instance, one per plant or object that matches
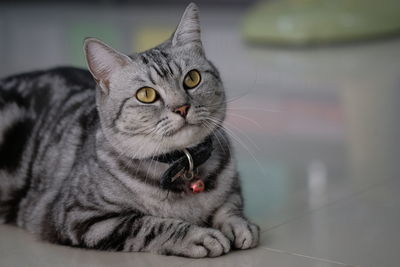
(136, 2)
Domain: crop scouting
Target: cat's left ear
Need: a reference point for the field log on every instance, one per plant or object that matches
(103, 61)
(188, 30)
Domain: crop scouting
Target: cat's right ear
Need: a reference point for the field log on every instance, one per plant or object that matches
(102, 61)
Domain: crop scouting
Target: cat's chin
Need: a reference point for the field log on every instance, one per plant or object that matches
(187, 136)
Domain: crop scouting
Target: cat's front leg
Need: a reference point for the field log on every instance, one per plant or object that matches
(232, 223)
(148, 233)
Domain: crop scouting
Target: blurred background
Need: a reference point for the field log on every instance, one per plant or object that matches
(314, 102)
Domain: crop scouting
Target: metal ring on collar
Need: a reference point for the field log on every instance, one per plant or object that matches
(191, 164)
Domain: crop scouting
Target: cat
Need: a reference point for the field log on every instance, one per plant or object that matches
(128, 156)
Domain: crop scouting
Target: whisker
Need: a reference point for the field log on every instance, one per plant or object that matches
(253, 108)
(237, 139)
(214, 132)
(248, 119)
(244, 134)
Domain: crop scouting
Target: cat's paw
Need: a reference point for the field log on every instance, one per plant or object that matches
(205, 242)
(241, 233)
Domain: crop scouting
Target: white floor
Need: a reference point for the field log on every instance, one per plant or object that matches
(316, 132)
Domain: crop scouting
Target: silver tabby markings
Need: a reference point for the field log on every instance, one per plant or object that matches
(77, 149)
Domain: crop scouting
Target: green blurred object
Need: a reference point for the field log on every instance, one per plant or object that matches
(303, 22)
(78, 31)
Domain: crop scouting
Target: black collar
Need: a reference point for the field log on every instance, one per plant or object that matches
(180, 163)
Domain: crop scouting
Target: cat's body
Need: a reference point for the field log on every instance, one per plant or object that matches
(77, 165)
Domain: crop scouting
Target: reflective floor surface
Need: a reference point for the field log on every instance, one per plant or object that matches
(316, 133)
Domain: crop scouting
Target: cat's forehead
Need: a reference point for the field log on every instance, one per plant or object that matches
(168, 58)
(163, 66)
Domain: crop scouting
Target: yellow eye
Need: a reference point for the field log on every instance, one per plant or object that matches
(192, 79)
(146, 95)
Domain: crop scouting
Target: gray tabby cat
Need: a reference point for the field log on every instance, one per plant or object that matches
(82, 161)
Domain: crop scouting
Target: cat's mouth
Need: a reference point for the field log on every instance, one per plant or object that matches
(174, 131)
(186, 126)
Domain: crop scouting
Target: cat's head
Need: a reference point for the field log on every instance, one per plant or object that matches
(167, 98)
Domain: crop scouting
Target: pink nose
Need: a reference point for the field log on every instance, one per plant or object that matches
(183, 110)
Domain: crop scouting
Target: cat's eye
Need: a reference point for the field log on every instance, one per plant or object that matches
(192, 79)
(146, 95)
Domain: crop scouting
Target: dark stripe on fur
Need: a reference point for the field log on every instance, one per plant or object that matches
(211, 180)
(158, 71)
(116, 240)
(151, 78)
(150, 236)
(144, 60)
(170, 69)
(12, 96)
(14, 140)
(121, 107)
(212, 73)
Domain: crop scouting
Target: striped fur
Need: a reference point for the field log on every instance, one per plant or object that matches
(76, 162)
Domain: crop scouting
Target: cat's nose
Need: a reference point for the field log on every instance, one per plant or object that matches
(182, 110)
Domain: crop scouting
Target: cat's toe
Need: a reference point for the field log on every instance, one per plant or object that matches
(227, 230)
(199, 243)
(242, 234)
(213, 241)
(197, 251)
(255, 230)
(216, 243)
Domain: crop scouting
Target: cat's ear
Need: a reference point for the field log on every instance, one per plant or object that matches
(102, 61)
(188, 30)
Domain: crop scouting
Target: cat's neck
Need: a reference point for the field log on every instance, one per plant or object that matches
(153, 170)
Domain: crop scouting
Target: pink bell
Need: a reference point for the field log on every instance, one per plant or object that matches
(197, 186)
